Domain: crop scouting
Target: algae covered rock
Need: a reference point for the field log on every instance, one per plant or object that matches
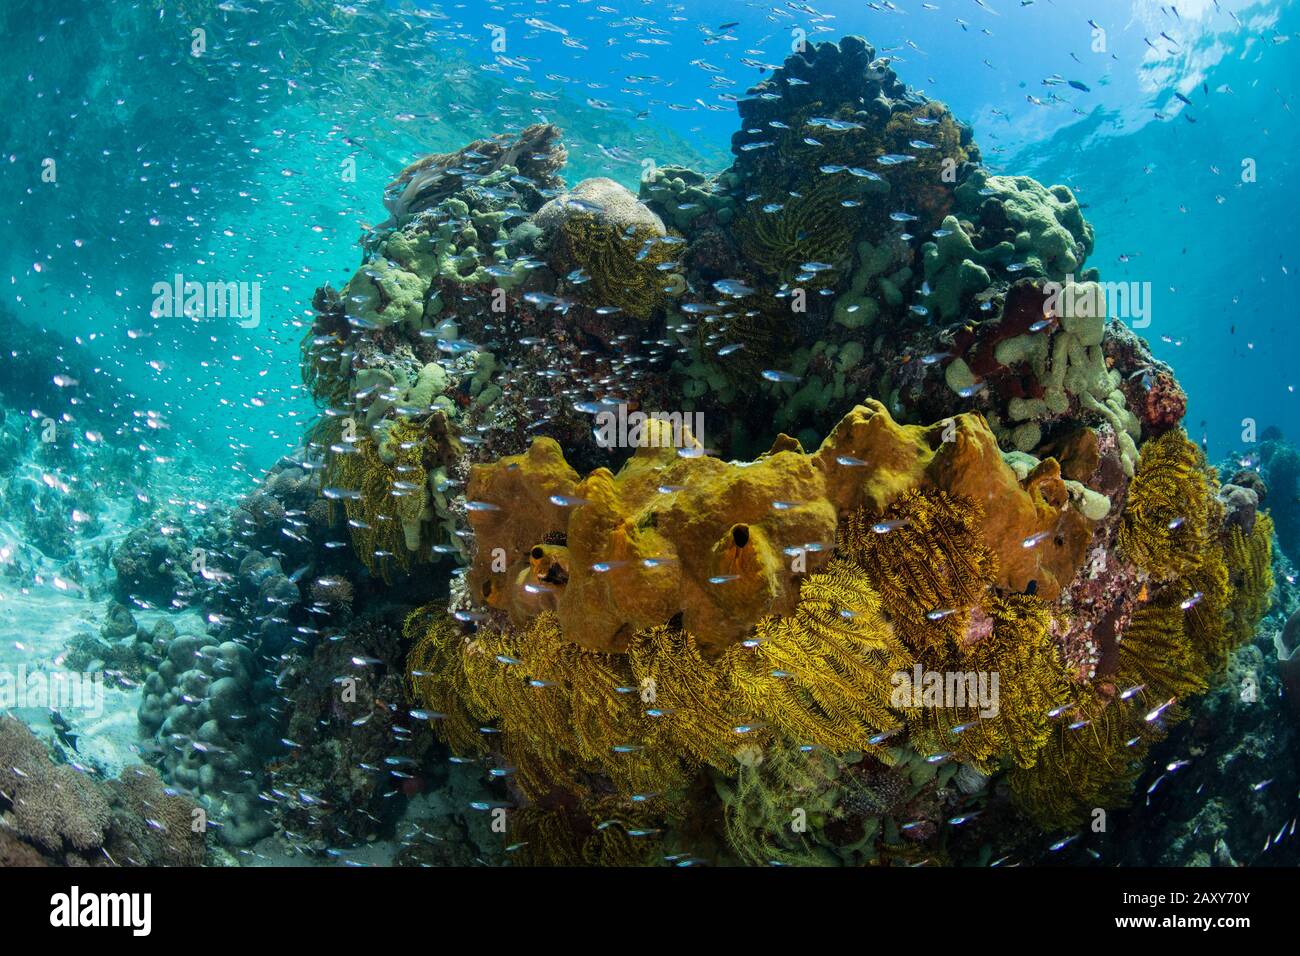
(613, 243)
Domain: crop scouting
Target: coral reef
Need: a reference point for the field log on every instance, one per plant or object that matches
(57, 814)
(355, 752)
(1279, 464)
(944, 567)
(617, 247)
(910, 549)
(152, 565)
(207, 707)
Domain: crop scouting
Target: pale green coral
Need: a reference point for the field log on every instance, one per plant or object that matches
(680, 195)
(955, 270)
(855, 308)
(701, 376)
(413, 251)
(959, 376)
(1093, 504)
(1052, 237)
(816, 393)
(485, 366)
(1026, 436)
(430, 382)
(383, 294)
(380, 386)
(1068, 363)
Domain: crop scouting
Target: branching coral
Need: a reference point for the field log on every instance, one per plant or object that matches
(53, 806)
(52, 812)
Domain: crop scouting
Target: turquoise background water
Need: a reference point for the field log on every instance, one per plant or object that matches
(231, 165)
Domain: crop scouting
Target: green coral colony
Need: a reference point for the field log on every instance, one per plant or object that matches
(965, 566)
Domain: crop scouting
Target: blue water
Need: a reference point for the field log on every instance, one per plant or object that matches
(228, 165)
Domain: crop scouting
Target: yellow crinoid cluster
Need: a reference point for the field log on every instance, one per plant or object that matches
(688, 620)
(381, 482)
(646, 719)
(623, 264)
(1167, 523)
(1208, 586)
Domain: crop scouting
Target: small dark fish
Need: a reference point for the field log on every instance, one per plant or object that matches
(63, 730)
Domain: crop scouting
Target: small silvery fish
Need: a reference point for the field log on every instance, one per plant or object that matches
(773, 375)
(884, 527)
